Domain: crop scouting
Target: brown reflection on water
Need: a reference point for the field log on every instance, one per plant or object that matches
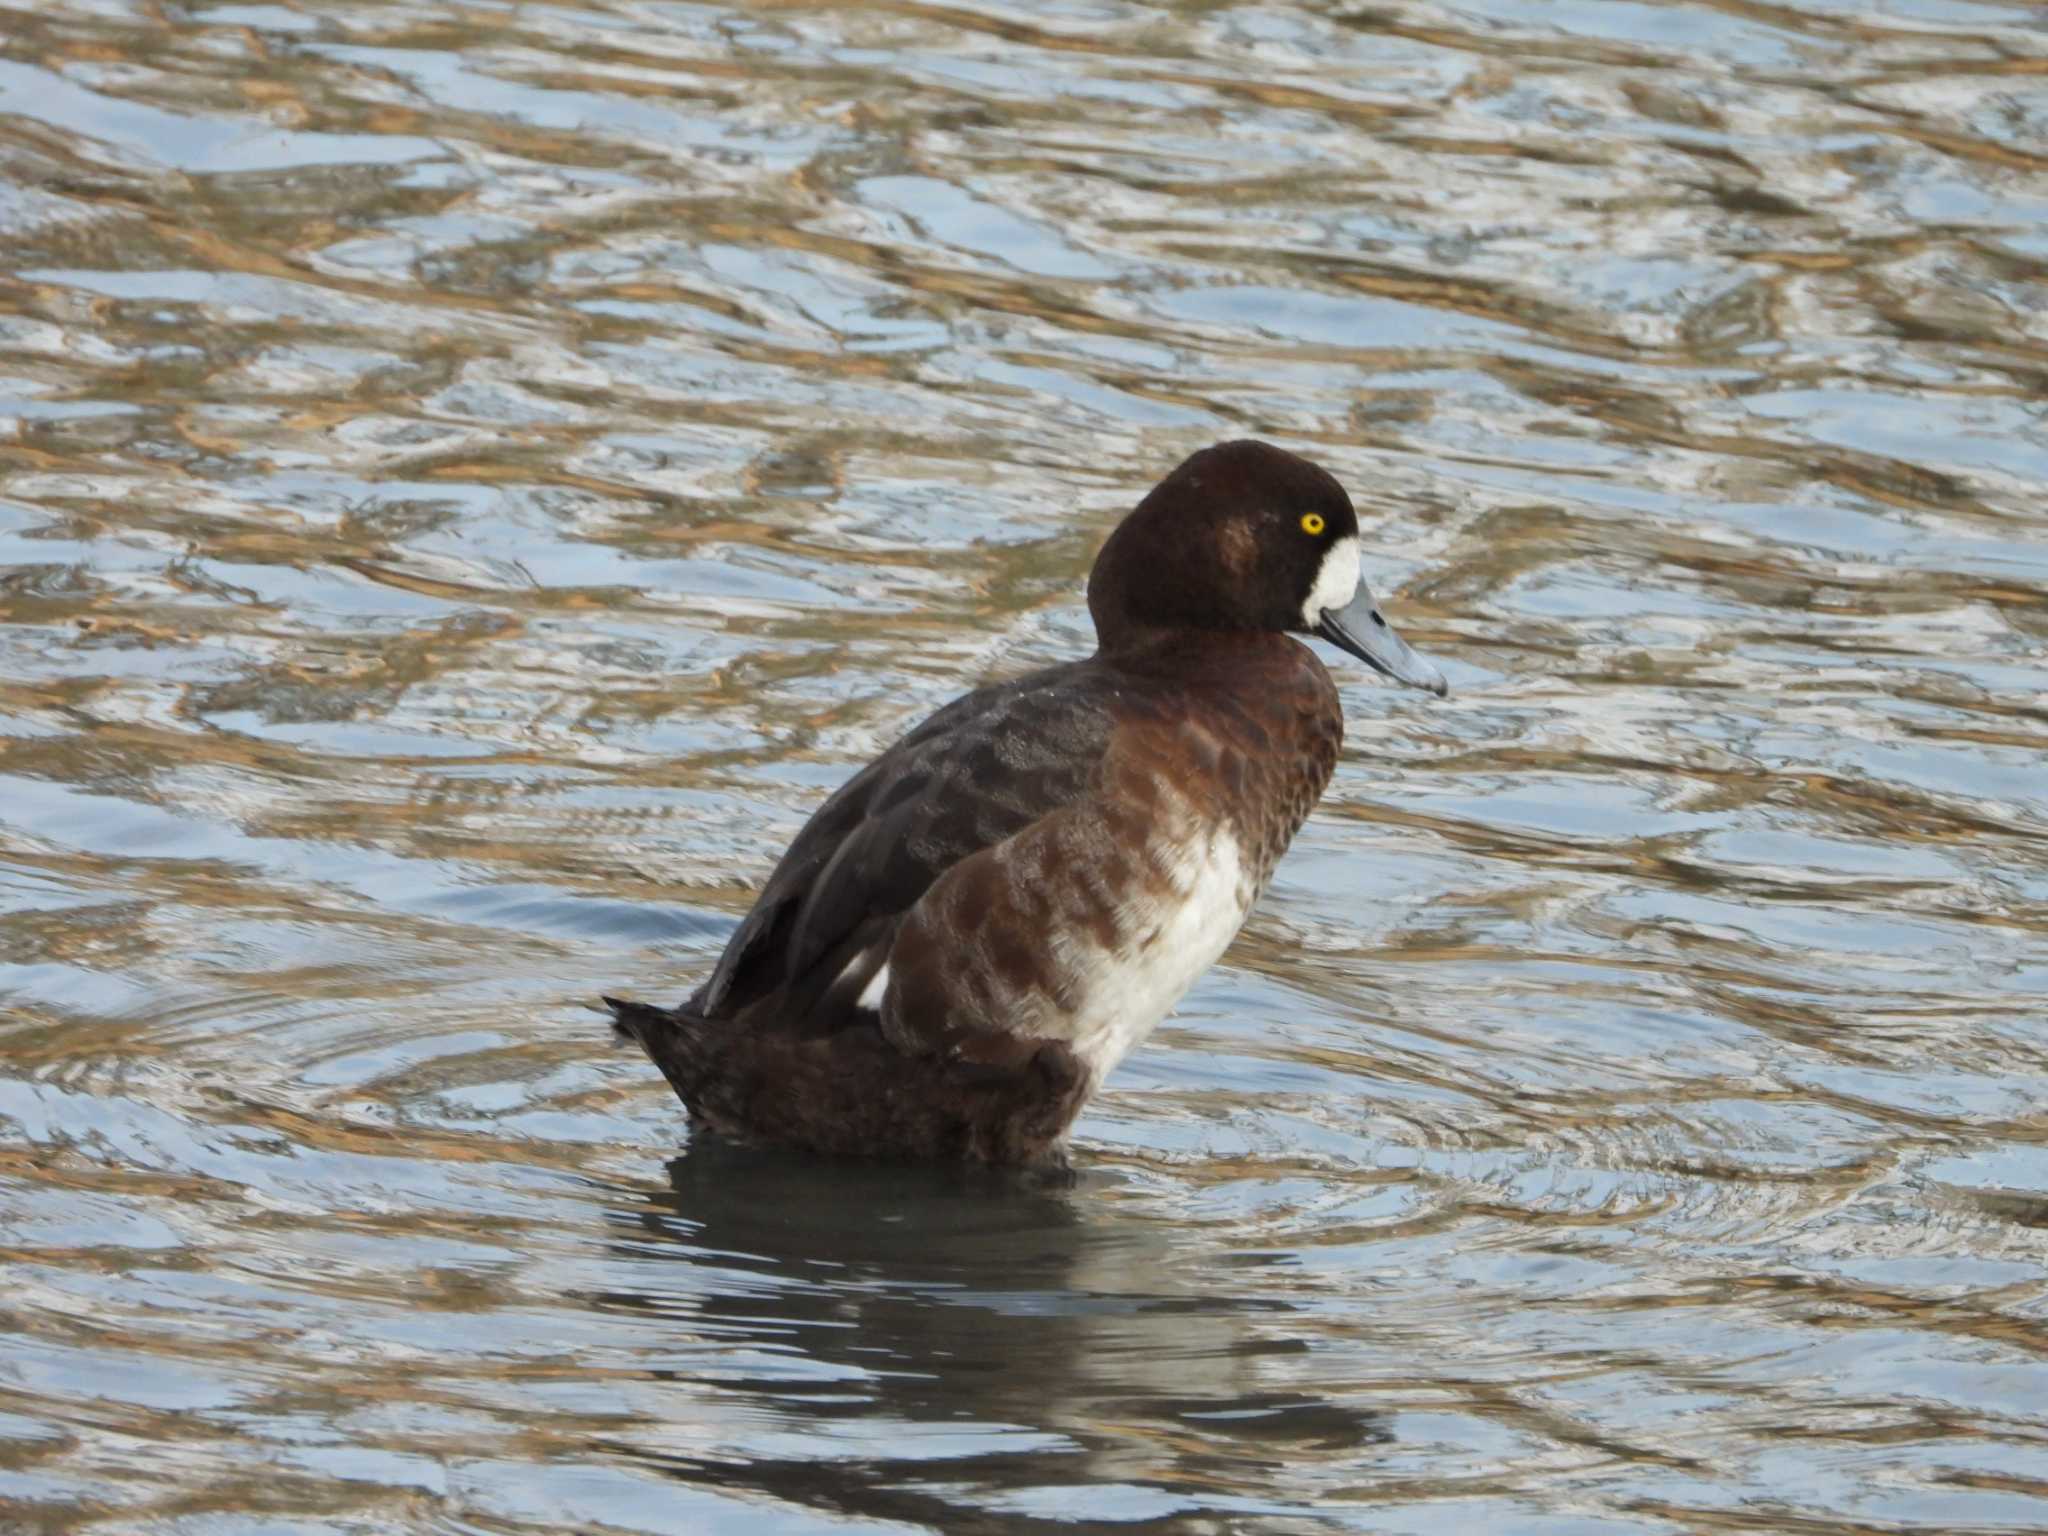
(472, 479)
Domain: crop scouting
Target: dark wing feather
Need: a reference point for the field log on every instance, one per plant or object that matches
(984, 767)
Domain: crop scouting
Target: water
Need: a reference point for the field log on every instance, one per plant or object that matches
(473, 476)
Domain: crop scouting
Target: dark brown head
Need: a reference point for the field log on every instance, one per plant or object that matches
(1245, 537)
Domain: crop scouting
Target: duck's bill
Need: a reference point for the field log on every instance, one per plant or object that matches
(1359, 628)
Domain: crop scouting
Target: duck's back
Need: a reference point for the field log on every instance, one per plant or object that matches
(980, 770)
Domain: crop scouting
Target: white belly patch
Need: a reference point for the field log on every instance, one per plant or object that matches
(1123, 994)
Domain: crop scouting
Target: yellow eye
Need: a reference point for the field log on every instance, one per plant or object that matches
(1311, 522)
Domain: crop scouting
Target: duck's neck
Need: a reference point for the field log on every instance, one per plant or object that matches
(1155, 650)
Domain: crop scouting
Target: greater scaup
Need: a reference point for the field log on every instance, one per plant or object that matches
(973, 930)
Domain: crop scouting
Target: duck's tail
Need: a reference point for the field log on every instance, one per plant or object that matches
(673, 1040)
(639, 1022)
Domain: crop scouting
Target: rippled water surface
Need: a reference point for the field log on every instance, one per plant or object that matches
(473, 475)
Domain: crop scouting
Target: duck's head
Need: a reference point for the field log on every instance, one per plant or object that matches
(1246, 536)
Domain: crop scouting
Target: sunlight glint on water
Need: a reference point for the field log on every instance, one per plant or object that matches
(472, 478)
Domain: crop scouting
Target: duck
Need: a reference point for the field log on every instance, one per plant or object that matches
(970, 933)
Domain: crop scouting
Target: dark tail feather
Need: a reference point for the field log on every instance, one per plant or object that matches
(671, 1038)
(644, 1025)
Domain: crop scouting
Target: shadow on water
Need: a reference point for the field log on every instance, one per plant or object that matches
(920, 1330)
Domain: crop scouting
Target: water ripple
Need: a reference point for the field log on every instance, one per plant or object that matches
(471, 480)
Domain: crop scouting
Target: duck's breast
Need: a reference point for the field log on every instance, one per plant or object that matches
(1089, 925)
(1174, 928)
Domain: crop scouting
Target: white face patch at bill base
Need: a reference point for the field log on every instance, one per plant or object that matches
(1336, 582)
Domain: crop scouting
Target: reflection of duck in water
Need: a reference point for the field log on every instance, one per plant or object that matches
(975, 929)
(932, 1345)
